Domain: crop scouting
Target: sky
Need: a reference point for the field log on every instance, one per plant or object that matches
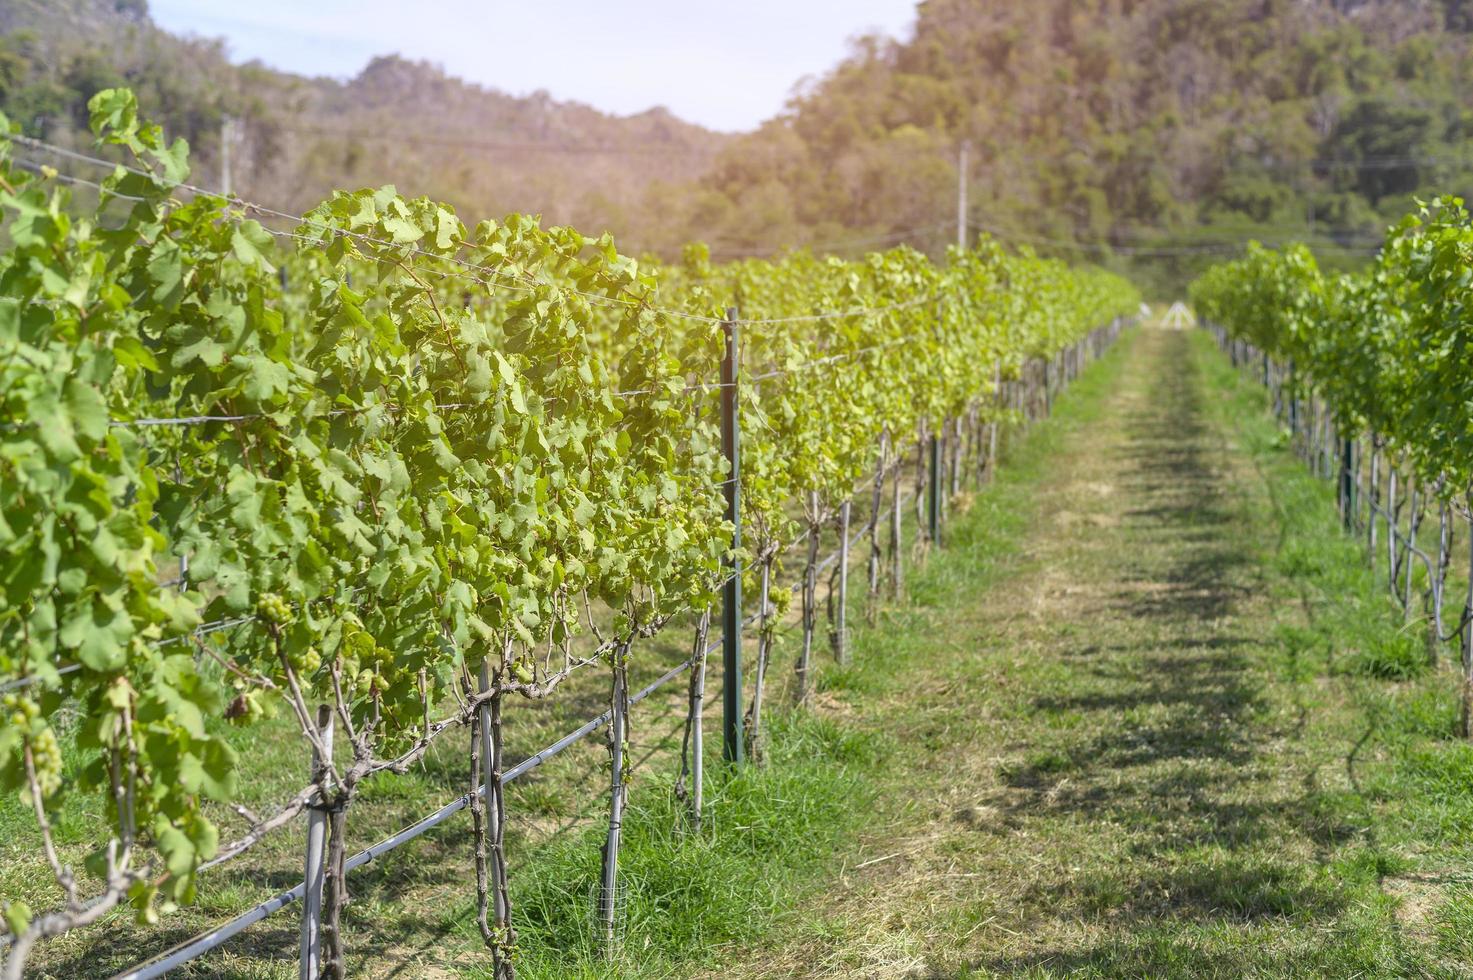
(725, 65)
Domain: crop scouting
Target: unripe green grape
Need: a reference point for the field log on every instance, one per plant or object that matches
(46, 758)
(273, 609)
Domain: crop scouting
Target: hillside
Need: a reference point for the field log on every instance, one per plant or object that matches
(1163, 127)
(1152, 136)
(295, 139)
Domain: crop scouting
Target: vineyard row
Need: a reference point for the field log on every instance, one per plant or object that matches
(381, 473)
(1370, 373)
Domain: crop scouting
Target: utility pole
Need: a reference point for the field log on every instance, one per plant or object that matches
(227, 132)
(961, 194)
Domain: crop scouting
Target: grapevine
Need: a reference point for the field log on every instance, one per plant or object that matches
(1385, 351)
(404, 468)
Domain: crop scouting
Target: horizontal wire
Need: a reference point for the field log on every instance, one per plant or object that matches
(185, 420)
(841, 314)
(54, 174)
(737, 251)
(203, 630)
(683, 149)
(820, 362)
(1211, 248)
(17, 683)
(191, 420)
(515, 282)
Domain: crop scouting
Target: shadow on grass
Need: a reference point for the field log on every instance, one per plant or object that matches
(1169, 753)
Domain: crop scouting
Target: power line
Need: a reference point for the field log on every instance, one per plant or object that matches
(740, 251)
(1362, 163)
(584, 149)
(1367, 163)
(1205, 248)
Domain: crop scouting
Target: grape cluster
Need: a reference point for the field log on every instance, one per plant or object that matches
(377, 667)
(273, 609)
(306, 663)
(45, 752)
(22, 710)
(46, 756)
(249, 706)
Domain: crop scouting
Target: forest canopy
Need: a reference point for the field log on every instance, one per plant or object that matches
(1153, 136)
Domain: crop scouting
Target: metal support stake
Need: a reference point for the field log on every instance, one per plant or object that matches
(608, 892)
(933, 517)
(697, 723)
(997, 406)
(1347, 484)
(491, 791)
(315, 866)
(1293, 403)
(841, 635)
(732, 742)
(953, 461)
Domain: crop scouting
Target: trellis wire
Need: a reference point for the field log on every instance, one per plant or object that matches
(208, 941)
(218, 936)
(510, 282)
(203, 630)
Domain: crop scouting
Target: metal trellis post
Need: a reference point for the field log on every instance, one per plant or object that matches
(961, 194)
(933, 518)
(732, 741)
(608, 891)
(491, 775)
(315, 866)
(841, 632)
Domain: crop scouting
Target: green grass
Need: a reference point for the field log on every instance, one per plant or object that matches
(1147, 714)
(768, 836)
(1188, 735)
(775, 836)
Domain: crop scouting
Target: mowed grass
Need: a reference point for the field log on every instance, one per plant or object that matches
(772, 835)
(1145, 715)
(1156, 719)
(551, 803)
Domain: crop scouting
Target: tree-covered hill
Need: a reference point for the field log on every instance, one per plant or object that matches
(1150, 135)
(294, 139)
(1159, 127)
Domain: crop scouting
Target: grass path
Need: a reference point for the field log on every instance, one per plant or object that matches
(1145, 715)
(1127, 732)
